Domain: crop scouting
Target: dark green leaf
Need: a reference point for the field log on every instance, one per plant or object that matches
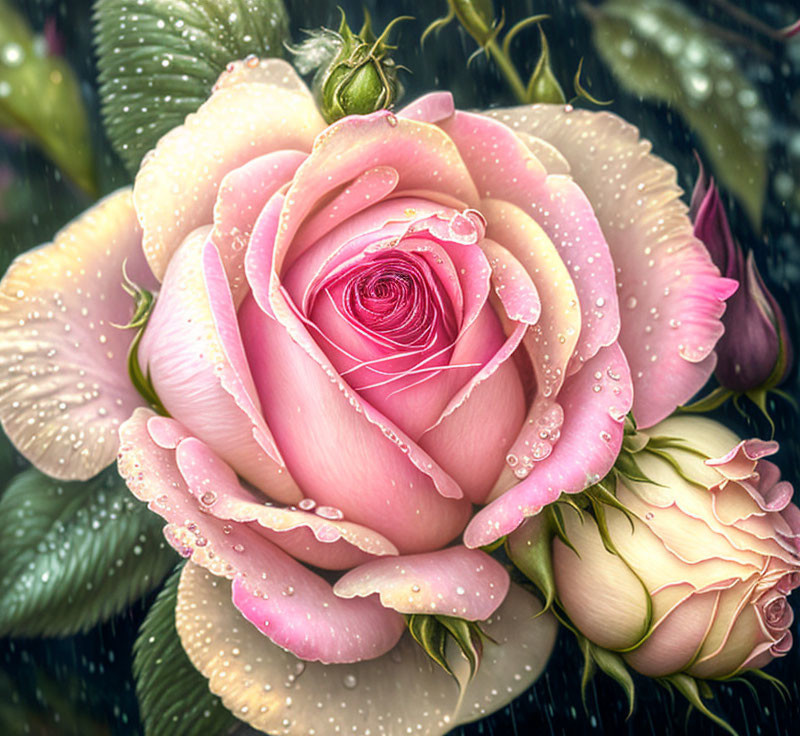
(174, 698)
(658, 49)
(159, 60)
(74, 554)
(40, 99)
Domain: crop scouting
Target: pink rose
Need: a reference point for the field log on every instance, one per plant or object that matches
(361, 332)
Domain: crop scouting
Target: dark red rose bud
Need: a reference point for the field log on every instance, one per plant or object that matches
(755, 352)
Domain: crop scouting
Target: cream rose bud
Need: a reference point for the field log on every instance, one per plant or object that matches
(714, 546)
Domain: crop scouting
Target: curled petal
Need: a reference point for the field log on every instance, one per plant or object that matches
(431, 108)
(303, 613)
(252, 111)
(595, 402)
(241, 197)
(193, 352)
(64, 384)
(671, 295)
(314, 535)
(254, 678)
(740, 462)
(456, 581)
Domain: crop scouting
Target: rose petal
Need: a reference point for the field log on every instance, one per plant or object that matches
(341, 451)
(312, 623)
(551, 342)
(512, 284)
(193, 352)
(504, 168)
(252, 112)
(455, 581)
(422, 155)
(595, 403)
(671, 295)
(677, 638)
(241, 197)
(64, 384)
(278, 589)
(404, 688)
(740, 462)
(431, 108)
(312, 537)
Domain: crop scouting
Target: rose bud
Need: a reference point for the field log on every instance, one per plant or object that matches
(355, 75)
(755, 353)
(703, 563)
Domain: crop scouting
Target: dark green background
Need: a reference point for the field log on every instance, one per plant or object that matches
(82, 685)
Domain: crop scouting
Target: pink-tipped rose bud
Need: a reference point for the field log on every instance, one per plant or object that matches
(755, 352)
(704, 565)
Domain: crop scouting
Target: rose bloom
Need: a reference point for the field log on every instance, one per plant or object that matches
(715, 547)
(362, 333)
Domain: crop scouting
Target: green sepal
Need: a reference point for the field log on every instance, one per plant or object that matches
(476, 16)
(143, 303)
(557, 522)
(783, 691)
(628, 467)
(432, 633)
(708, 403)
(543, 85)
(534, 556)
(581, 91)
(601, 494)
(492, 546)
(521, 26)
(612, 664)
(689, 688)
(173, 696)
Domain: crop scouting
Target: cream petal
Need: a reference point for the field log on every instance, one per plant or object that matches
(64, 384)
(277, 693)
(252, 112)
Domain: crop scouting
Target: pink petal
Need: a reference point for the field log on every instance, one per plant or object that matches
(423, 156)
(269, 303)
(457, 581)
(595, 402)
(339, 449)
(431, 108)
(268, 584)
(242, 195)
(677, 637)
(504, 168)
(195, 357)
(277, 693)
(471, 437)
(740, 462)
(366, 190)
(310, 535)
(253, 111)
(64, 385)
(670, 293)
(311, 622)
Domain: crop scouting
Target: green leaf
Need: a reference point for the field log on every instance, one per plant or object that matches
(74, 554)
(40, 99)
(174, 698)
(159, 60)
(660, 50)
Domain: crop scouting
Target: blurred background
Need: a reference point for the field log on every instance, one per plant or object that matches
(705, 75)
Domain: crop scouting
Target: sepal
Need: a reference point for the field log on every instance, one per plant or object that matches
(609, 662)
(433, 633)
(695, 691)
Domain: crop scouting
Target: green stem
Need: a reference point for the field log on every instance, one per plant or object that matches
(508, 70)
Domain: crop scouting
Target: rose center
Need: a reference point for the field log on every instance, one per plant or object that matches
(394, 298)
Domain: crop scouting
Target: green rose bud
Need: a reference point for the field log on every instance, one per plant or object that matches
(355, 74)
